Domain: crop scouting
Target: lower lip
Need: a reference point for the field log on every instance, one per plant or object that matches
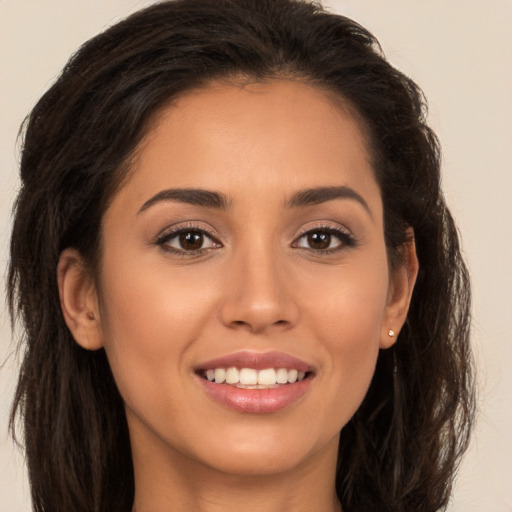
(256, 400)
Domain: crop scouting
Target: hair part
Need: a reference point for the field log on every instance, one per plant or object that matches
(400, 450)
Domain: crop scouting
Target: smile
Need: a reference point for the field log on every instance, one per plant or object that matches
(251, 382)
(251, 378)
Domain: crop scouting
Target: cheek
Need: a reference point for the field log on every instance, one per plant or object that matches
(150, 318)
(347, 318)
(348, 306)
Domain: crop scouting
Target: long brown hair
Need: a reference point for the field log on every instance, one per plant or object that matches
(400, 450)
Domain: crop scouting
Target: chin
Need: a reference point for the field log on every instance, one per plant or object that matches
(260, 463)
(269, 454)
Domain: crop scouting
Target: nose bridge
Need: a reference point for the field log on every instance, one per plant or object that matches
(257, 296)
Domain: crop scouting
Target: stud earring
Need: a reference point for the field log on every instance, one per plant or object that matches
(391, 333)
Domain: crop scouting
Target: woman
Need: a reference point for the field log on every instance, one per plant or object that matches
(248, 290)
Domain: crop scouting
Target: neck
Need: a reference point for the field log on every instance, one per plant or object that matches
(167, 482)
(230, 495)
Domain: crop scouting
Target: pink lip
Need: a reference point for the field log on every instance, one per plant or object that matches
(258, 361)
(256, 400)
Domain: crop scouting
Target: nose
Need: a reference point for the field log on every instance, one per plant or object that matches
(259, 295)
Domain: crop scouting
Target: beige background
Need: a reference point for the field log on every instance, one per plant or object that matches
(460, 52)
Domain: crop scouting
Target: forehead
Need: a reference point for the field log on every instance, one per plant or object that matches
(279, 135)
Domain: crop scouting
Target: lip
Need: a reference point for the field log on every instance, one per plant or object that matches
(258, 361)
(256, 401)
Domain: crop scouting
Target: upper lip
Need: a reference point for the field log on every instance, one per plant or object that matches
(257, 360)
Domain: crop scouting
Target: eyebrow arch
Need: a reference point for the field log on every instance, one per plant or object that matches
(193, 196)
(312, 196)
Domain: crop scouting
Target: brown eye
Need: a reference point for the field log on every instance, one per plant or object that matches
(325, 239)
(187, 241)
(191, 240)
(319, 240)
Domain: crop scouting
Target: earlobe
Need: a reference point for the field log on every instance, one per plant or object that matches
(78, 299)
(401, 287)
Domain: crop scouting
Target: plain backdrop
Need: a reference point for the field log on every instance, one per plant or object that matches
(460, 52)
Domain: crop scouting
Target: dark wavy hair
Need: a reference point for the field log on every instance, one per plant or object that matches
(401, 449)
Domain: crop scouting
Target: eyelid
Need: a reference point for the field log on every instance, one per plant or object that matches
(345, 236)
(324, 225)
(347, 239)
(175, 230)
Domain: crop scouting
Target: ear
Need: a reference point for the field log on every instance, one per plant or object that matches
(401, 285)
(78, 300)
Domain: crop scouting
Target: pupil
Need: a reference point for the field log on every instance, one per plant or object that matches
(319, 240)
(191, 240)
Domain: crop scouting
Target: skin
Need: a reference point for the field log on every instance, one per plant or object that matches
(258, 286)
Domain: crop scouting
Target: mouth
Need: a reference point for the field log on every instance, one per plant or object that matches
(254, 382)
(252, 378)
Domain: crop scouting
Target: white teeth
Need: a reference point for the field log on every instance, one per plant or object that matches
(220, 375)
(232, 376)
(282, 376)
(267, 377)
(292, 376)
(249, 377)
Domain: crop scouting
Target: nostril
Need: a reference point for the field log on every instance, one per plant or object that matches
(256, 315)
(255, 326)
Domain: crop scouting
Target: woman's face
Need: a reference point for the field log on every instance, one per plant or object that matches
(248, 236)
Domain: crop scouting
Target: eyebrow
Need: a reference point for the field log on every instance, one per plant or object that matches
(312, 196)
(193, 196)
(210, 199)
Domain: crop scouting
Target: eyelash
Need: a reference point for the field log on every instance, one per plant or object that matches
(163, 240)
(346, 239)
